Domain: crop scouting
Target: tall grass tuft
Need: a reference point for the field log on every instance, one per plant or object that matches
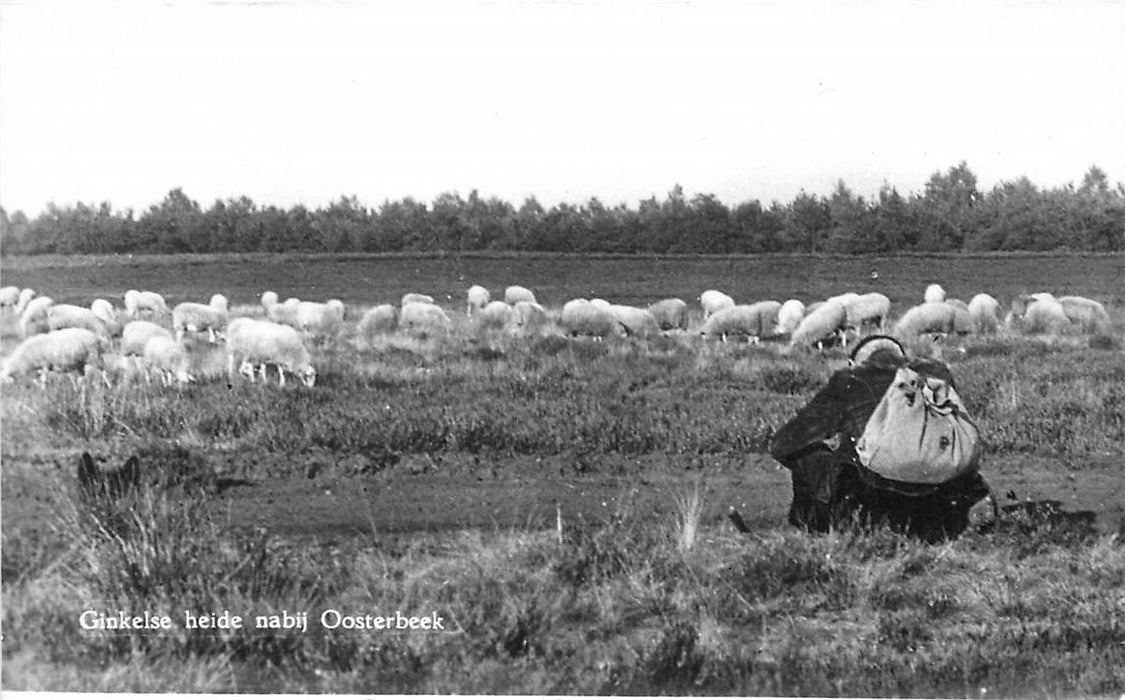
(689, 511)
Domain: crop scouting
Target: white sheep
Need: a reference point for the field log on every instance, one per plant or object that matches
(66, 350)
(414, 298)
(713, 300)
(635, 320)
(1038, 313)
(134, 337)
(934, 293)
(934, 317)
(495, 314)
(252, 341)
(529, 316)
(962, 317)
(789, 316)
(378, 320)
(984, 313)
(320, 319)
(285, 312)
(34, 317)
(824, 322)
(169, 358)
(195, 318)
(26, 295)
(1087, 314)
(755, 321)
(869, 309)
(423, 319)
(104, 310)
(844, 299)
(9, 296)
(670, 314)
(602, 304)
(151, 302)
(580, 317)
(62, 316)
(477, 297)
(516, 293)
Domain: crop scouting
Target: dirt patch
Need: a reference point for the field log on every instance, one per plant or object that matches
(287, 497)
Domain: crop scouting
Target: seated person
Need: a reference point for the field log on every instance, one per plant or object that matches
(831, 484)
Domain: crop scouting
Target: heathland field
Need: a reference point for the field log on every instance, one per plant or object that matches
(557, 506)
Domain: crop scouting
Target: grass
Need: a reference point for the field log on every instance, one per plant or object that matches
(618, 607)
(680, 396)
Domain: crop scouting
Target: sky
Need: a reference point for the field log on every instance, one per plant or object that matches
(303, 102)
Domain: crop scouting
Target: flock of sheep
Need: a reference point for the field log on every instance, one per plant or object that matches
(150, 339)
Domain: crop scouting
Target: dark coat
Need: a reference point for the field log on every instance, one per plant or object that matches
(831, 488)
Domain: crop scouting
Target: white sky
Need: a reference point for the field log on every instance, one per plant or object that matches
(303, 102)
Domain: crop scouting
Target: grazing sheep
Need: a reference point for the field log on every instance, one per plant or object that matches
(424, 320)
(1087, 314)
(193, 317)
(9, 296)
(136, 334)
(151, 302)
(713, 300)
(868, 310)
(65, 350)
(529, 316)
(823, 323)
(636, 321)
(789, 316)
(378, 320)
(670, 314)
(936, 317)
(285, 312)
(755, 321)
(581, 317)
(252, 341)
(495, 314)
(26, 295)
(320, 320)
(34, 317)
(517, 293)
(962, 317)
(104, 310)
(478, 297)
(62, 316)
(984, 313)
(1038, 313)
(845, 298)
(601, 304)
(167, 357)
(412, 298)
(934, 293)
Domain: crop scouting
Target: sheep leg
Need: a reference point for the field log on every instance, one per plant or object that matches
(280, 375)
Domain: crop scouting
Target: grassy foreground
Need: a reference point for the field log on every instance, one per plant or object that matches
(634, 603)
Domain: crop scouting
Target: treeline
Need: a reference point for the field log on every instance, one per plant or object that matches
(951, 214)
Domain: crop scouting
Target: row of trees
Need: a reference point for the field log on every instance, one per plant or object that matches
(951, 214)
